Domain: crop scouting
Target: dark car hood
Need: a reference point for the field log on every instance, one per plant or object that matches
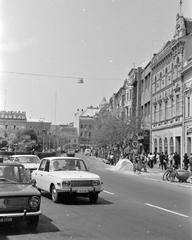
(17, 190)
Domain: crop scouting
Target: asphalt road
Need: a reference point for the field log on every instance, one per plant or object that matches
(130, 207)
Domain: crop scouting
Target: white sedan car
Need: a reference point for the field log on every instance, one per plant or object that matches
(30, 162)
(66, 177)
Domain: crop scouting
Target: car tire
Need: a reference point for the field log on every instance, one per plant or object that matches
(93, 197)
(33, 222)
(55, 195)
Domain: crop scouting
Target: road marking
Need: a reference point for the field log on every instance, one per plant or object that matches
(108, 192)
(166, 210)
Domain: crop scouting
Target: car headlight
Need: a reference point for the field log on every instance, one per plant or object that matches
(96, 183)
(34, 201)
(66, 183)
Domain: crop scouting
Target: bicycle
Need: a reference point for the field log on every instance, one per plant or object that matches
(170, 174)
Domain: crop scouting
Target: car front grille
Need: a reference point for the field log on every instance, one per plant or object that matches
(14, 204)
(82, 183)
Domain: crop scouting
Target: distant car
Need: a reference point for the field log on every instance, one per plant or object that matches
(19, 200)
(87, 152)
(77, 150)
(70, 152)
(67, 177)
(30, 162)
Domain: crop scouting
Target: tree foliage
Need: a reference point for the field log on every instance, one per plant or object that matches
(118, 132)
(26, 140)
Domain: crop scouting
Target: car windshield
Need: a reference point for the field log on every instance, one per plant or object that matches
(13, 174)
(68, 165)
(27, 159)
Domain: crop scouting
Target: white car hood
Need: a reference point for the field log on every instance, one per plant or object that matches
(75, 175)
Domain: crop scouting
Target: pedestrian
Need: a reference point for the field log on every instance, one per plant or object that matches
(163, 161)
(176, 160)
(151, 158)
(185, 161)
(111, 158)
(158, 159)
(170, 157)
(190, 166)
(154, 158)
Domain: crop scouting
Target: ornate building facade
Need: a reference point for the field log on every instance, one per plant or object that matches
(168, 90)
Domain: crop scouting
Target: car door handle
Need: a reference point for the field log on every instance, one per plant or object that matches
(41, 174)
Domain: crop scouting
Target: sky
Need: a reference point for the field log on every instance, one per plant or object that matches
(47, 45)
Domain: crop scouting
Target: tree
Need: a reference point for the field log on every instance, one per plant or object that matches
(118, 132)
(26, 140)
(29, 132)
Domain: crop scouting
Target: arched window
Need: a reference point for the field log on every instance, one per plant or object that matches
(160, 145)
(171, 145)
(165, 145)
(155, 145)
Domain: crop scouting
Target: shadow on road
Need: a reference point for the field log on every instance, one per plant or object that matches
(45, 225)
(78, 201)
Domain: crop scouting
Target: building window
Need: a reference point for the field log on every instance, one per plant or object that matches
(148, 108)
(81, 134)
(188, 106)
(160, 109)
(160, 145)
(155, 112)
(172, 107)
(166, 110)
(142, 87)
(165, 145)
(177, 105)
(74, 140)
(127, 96)
(171, 145)
(89, 134)
(81, 126)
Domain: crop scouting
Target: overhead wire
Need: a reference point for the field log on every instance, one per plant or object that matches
(57, 76)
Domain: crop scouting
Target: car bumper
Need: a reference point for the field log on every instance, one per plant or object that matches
(18, 215)
(79, 191)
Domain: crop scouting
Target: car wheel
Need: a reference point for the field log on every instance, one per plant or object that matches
(33, 222)
(93, 197)
(54, 195)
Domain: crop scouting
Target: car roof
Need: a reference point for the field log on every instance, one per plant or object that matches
(60, 158)
(7, 163)
(24, 155)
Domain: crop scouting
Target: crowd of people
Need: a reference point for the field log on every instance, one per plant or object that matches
(163, 160)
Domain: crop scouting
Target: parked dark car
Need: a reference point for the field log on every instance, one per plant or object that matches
(19, 200)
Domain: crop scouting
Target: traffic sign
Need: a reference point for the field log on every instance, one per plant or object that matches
(135, 144)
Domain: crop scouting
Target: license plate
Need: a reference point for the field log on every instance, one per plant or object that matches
(6, 219)
(82, 191)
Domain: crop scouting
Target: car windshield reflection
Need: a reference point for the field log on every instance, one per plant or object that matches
(13, 174)
(68, 165)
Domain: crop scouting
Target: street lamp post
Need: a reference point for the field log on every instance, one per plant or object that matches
(43, 140)
(49, 142)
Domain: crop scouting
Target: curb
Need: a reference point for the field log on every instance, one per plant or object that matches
(172, 183)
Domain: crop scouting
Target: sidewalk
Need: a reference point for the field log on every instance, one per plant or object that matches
(156, 174)
(153, 174)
